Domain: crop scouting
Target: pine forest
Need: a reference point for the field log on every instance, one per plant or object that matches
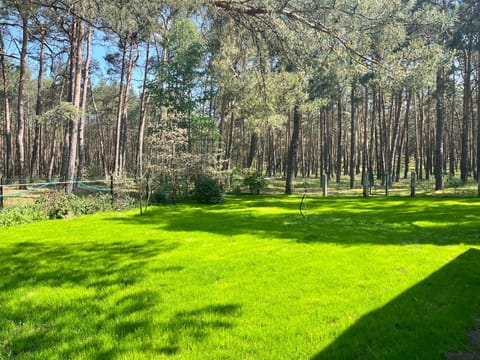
(288, 88)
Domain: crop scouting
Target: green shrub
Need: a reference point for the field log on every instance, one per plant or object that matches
(207, 190)
(454, 182)
(255, 182)
(21, 215)
(55, 205)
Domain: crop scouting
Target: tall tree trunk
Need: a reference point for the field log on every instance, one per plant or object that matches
(478, 121)
(407, 135)
(467, 95)
(118, 134)
(338, 169)
(81, 124)
(76, 63)
(7, 115)
(38, 109)
(21, 104)
(142, 120)
(53, 147)
(229, 147)
(253, 149)
(132, 61)
(103, 156)
(292, 151)
(440, 124)
(352, 136)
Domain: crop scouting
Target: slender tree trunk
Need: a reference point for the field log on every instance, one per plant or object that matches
(142, 120)
(53, 147)
(229, 147)
(478, 121)
(467, 95)
(132, 61)
(292, 151)
(38, 110)
(81, 125)
(117, 165)
(21, 105)
(75, 96)
(352, 136)
(338, 170)
(440, 124)
(103, 156)
(253, 149)
(7, 116)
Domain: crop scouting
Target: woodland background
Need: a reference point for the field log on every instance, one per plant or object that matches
(174, 89)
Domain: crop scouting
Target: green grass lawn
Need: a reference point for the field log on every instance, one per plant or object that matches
(375, 278)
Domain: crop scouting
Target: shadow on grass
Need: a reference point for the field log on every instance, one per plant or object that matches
(196, 324)
(50, 292)
(414, 325)
(344, 221)
(90, 264)
(88, 300)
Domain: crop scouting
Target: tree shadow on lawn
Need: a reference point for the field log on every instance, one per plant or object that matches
(425, 322)
(89, 264)
(88, 300)
(343, 221)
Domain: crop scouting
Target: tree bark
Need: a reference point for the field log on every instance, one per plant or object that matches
(478, 123)
(76, 63)
(21, 105)
(338, 168)
(292, 151)
(7, 116)
(38, 109)
(142, 120)
(253, 149)
(81, 124)
(118, 138)
(440, 124)
(467, 94)
(353, 139)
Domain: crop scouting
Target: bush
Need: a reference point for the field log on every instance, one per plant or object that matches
(255, 182)
(207, 190)
(22, 215)
(55, 205)
(62, 205)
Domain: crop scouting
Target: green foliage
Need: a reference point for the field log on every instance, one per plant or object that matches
(22, 215)
(207, 190)
(55, 206)
(177, 77)
(255, 182)
(454, 182)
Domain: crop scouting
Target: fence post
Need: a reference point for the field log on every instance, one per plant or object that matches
(323, 183)
(412, 184)
(111, 189)
(365, 183)
(1, 193)
(386, 183)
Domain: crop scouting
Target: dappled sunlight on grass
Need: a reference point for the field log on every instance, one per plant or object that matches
(250, 278)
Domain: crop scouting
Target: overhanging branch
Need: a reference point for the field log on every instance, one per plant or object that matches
(245, 8)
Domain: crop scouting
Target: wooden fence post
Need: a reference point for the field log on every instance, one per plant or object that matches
(324, 184)
(1, 193)
(412, 184)
(387, 179)
(111, 189)
(365, 183)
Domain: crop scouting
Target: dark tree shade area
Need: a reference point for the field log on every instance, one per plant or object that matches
(174, 89)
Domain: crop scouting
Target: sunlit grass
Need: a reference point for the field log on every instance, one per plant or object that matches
(248, 279)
